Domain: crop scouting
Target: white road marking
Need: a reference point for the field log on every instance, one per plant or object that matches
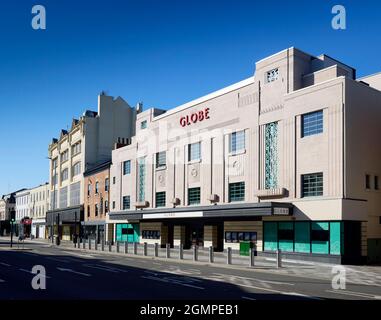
(301, 295)
(5, 264)
(73, 271)
(248, 298)
(173, 281)
(79, 255)
(100, 268)
(112, 268)
(158, 264)
(356, 294)
(254, 279)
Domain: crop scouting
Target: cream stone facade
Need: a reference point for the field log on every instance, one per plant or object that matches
(39, 205)
(88, 142)
(287, 159)
(23, 219)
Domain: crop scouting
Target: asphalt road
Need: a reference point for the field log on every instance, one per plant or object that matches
(81, 275)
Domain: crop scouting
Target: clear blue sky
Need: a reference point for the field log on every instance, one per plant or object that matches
(161, 52)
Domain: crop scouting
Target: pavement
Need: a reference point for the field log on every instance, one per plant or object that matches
(73, 273)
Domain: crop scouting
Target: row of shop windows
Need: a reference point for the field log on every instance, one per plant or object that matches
(304, 237)
(151, 234)
(236, 236)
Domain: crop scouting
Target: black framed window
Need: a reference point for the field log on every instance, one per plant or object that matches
(312, 184)
(239, 236)
(236, 191)
(126, 167)
(126, 202)
(161, 159)
(151, 234)
(312, 123)
(194, 196)
(160, 199)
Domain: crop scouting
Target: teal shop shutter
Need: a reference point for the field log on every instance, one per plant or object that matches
(270, 236)
(136, 232)
(320, 246)
(118, 232)
(302, 237)
(287, 243)
(335, 237)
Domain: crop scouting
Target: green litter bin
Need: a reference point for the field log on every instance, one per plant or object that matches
(244, 248)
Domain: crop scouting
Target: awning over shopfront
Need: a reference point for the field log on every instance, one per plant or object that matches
(244, 210)
(66, 215)
(26, 221)
(93, 223)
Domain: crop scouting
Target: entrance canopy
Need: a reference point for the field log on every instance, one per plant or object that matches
(242, 210)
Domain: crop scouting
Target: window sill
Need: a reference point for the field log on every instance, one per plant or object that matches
(161, 168)
(236, 153)
(194, 161)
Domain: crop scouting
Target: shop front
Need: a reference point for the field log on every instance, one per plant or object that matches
(65, 223)
(38, 228)
(94, 230)
(25, 227)
(217, 226)
(327, 241)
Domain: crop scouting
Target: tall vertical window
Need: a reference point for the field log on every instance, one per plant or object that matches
(312, 123)
(96, 187)
(76, 169)
(161, 159)
(89, 190)
(271, 155)
(107, 184)
(75, 193)
(193, 196)
(88, 211)
(106, 206)
(96, 210)
(127, 167)
(376, 185)
(237, 141)
(142, 179)
(194, 151)
(126, 203)
(236, 191)
(113, 180)
(312, 184)
(143, 124)
(160, 199)
(64, 156)
(64, 175)
(76, 148)
(113, 204)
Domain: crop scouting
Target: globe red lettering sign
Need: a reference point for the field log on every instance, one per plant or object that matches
(194, 117)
